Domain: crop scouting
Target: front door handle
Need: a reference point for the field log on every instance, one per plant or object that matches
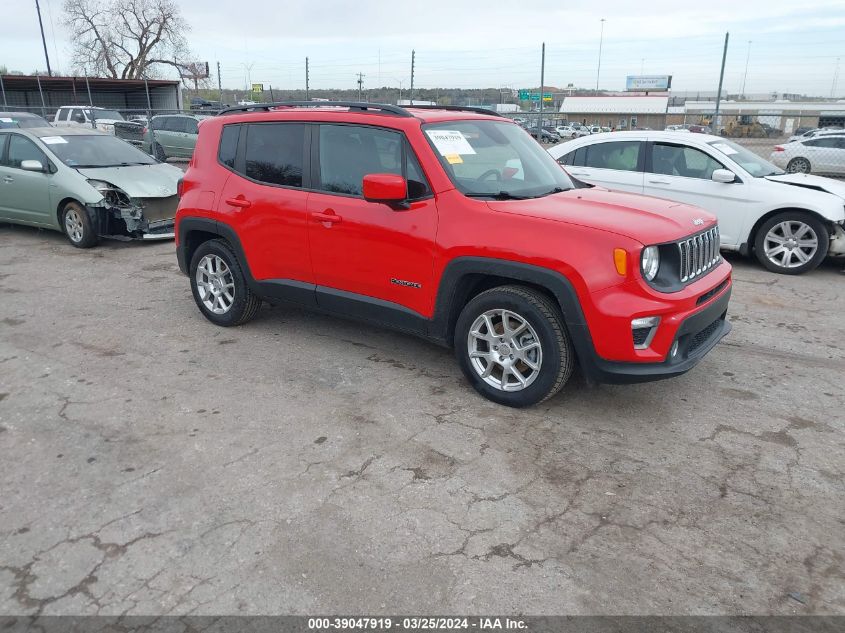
(657, 181)
(579, 173)
(327, 217)
(240, 202)
(8, 179)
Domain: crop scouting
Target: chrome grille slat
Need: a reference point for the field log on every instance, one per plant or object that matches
(698, 254)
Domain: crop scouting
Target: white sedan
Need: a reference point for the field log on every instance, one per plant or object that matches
(820, 154)
(570, 131)
(789, 221)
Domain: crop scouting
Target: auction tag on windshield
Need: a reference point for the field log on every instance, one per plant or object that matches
(725, 149)
(53, 140)
(454, 159)
(450, 142)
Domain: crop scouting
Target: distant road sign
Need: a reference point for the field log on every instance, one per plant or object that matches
(524, 95)
(258, 87)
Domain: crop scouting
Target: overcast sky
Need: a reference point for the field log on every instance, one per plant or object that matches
(795, 46)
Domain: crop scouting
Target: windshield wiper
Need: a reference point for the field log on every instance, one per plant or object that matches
(502, 195)
(548, 193)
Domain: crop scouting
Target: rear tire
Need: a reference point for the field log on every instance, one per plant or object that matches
(219, 286)
(512, 346)
(78, 227)
(791, 243)
(159, 154)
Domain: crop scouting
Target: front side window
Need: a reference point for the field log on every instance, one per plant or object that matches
(492, 159)
(21, 149)
(678, 160)
(191, 126)
(274, 153)
(349, 152)
(619, 155)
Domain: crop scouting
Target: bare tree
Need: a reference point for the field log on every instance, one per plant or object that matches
(125, 39)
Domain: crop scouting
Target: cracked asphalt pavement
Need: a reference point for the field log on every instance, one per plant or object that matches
(153, 463)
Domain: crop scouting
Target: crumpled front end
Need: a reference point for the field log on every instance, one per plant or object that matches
(121, 217)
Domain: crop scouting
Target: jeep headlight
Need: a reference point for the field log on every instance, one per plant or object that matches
(650, 262)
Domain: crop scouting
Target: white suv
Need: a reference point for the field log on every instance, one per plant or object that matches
(81, 116)
(789, 221)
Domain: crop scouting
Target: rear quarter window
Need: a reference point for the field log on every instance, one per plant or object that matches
(228, 150)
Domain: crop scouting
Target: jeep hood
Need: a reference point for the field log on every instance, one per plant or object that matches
(808, 181)
(139, 181)
(643, 218)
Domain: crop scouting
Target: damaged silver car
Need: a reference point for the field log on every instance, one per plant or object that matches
(85, 183)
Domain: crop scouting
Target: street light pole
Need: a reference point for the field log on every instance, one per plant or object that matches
(601, 41)
(43, 40)
(745, 75)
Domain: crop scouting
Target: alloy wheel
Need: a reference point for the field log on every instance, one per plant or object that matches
(215, 284)
(73, 226)
(791, 244)
(799, 166)
(504, 350)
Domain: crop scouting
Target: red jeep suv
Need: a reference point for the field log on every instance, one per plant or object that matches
(454, 224)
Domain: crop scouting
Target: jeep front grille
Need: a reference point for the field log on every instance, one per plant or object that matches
(699, 254)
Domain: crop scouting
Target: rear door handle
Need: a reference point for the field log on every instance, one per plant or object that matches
(579, 173)
(8, 179)
(240, 202)
(328, 216)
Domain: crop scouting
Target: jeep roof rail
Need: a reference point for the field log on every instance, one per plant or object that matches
(476, 109)
(352, 105)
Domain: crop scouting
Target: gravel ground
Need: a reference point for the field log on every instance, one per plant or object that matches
(154, 463)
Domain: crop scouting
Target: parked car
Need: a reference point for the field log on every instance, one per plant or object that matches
(595, 129)
(815, 132)
(568, 131)
(699, 129)
(172, 136)
(546, 135)
(85, 183)
(86, 116)
(21, 120)
(677, 128)
(820, 154)
(419, 219)
(789, 221)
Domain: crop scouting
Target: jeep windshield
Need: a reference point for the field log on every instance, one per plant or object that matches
(95, 151)
(489, 159)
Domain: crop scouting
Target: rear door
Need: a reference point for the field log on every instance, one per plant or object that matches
(617, 165)
(265, 200)
(24, 195)
(166, 134)
(822, 154)
(188, 138)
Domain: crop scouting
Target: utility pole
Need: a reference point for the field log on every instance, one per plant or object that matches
(413, 55)
(306, 79)
(219, 85)
(715, 122)
(43, 40)
(745, 75)
(601, 41)
(360, 85)
(835, 79)
(542, 89)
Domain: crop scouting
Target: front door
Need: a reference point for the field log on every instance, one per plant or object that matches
(682, 173)
(368, 250)
(24, 195)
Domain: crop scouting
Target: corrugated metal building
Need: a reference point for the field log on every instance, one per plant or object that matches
(620, 112)
(46, 94)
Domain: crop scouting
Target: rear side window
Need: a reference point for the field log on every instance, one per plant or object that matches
(619, 155)
(822, 142)
(175, 124)
(274, 153)
(192, 126)
(229, 145)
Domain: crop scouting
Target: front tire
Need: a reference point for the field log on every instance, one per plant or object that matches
(219, 286)
(791, 243)
(78, 227)
(512, 346)
(799, 165)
